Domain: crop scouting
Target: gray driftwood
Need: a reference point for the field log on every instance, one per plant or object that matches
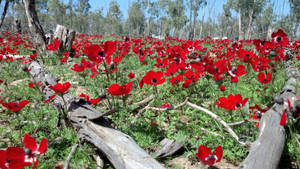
(66, 37)
(119, 148)
(169, 147)
(266, 151)
(36, 30)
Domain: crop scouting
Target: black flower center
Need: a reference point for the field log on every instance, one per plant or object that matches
(8, 160)
(101, 53)
(238, 105)
(80, 65)
(247, 55)
(16, 106)
(279, 39)
(211, 157)
(154, 80)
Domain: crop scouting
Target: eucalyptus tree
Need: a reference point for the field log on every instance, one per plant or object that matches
(135, 24)
(113, 19)
(247, 11)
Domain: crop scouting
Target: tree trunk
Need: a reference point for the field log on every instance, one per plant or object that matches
(250, 21)
(120, 149)
(196, 6)
(4, 12)
(17, 26)
(36, 30)
(66, 37)
(240, 25)
(191, 18)
(202, 20)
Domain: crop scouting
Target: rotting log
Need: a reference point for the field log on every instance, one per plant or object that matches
(66, 37)
(266, 151)
(169, 147)
(119, 148)
(36, 30)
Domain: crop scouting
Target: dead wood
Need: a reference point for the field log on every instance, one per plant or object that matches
(169, 147)
(266, 151)
(119, 148)
(66, 37)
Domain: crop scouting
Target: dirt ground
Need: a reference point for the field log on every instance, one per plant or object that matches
(183, 162)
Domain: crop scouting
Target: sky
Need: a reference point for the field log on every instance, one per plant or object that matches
(214, 7)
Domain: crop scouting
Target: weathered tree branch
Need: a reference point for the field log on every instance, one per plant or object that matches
(4, 12)
(120, 149)
(266, 151)
(216, 117)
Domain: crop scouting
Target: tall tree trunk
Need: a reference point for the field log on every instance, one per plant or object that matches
(4, 12)
(36, 30)
(202, 19)
(240, 25)
(191, 18)
(148, 20)
(250, 21)
(17, 26)
(196, 6)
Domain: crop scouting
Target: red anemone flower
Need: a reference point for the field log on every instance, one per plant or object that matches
(14, 106)
(175, 80)
(61, 88)
(264, 78)
(207, 157)
(90, 101)
(117, 90)
(80, 67)
(154, 78)
(13, 158)
(131, 75)
(222, 88)
(54, 46)
(34, 150)
(232, 102)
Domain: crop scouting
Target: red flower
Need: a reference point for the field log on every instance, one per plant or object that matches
(13, 158)
(81, 66)
(61, 88)
(14, 106)
(262, 78)
(233, 102)
(283, 118)
(176, 80)
(206, 156)
(222, 88)
(166, 105)
(154, 78)
(55, 45)
(94, 53)
(30, 143)
(117, 90)
(131, 75)
(90, 101)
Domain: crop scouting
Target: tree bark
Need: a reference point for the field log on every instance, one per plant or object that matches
(66, 37)
(36, 30)
(120, 149)
(4, 12)
(202, 20)
(240, 25)
(17, 26)
(266, 151)
(250, 21)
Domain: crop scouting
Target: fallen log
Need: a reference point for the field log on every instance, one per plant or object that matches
(266, 151)
(119, 148)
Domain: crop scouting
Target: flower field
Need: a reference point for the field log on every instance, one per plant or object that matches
(206, 95)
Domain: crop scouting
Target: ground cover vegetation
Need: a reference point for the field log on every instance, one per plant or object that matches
(232, 80)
